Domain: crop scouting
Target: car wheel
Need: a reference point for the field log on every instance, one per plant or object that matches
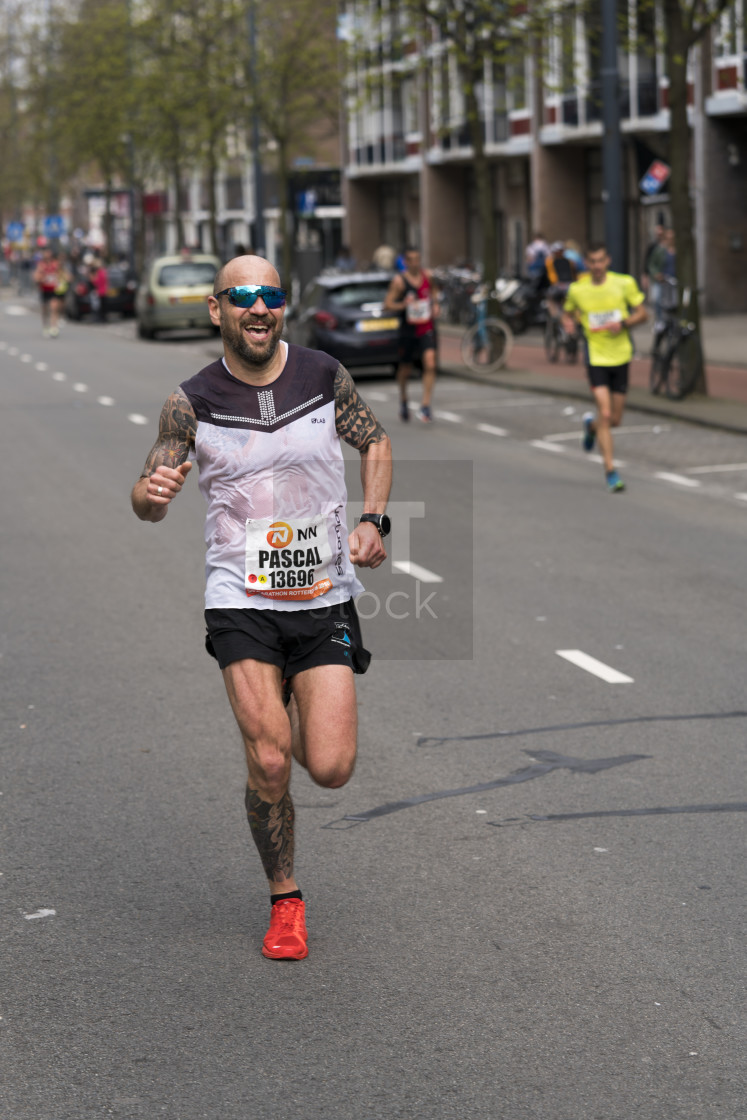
(145, 332)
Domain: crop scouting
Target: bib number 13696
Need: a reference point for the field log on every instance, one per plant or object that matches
(288, 559)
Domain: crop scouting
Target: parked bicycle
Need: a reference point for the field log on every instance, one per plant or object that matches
(557, 339)
(674, 361)
(487, 344)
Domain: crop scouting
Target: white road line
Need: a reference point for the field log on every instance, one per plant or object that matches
(42, 367)
(377, 396)
(452, 417)
(542, 446)
(742, 497)
(107, 401)
(3, 345)
(491, 430)
(416, 571)
(26, 358)
(80, 387)
(716, 469)
(638, 430)
(591, 665)
(12, 350)
(137, 418)
(15, 309)
(59, 376)
(594, 458)
(678, 479)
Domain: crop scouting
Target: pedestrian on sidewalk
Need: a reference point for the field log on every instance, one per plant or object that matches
(662, 269)
(264, 424)
(608, 305)
(100, 282)
(412, 294)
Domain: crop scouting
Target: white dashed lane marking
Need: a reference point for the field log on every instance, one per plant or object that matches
(59, 376)
(415, 570)
(490, 430)
(451, 417)
(42, 367)
(591, 665)
(107, 401)
(542, 445)
(80, 387)
(716, 469)
(677, 479)
(137, 418)
(642, 429)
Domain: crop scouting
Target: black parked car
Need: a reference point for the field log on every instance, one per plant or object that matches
(343, 314)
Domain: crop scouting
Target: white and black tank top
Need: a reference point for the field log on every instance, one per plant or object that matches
(272, 471)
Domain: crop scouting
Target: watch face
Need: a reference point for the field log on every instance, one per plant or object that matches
(385, 525)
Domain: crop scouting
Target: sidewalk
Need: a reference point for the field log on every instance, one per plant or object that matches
(725, 341)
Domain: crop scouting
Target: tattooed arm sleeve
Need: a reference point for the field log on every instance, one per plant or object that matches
(355, 421)
(168, 456)
(176, 434)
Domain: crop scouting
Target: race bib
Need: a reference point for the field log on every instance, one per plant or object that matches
(418, 311)
(288, 559)
(601, 320)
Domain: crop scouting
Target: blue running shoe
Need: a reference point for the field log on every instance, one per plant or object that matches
(424, 414)
(588, 441)
(615, 484)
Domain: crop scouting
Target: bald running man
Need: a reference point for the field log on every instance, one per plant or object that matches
(264, 425)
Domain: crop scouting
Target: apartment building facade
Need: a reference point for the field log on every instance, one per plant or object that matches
(409, 164)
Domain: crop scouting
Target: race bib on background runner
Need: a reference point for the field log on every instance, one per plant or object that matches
(288, 559)
(601, 320)
(418, 311)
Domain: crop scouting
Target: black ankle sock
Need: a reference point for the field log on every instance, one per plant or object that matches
(279, 897)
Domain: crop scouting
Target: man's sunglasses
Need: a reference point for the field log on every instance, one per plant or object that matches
(246, 295)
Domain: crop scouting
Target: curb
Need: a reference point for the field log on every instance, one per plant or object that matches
(637, 399)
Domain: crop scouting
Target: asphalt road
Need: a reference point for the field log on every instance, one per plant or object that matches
(529, 900)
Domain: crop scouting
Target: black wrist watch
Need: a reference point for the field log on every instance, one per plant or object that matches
(381, 521)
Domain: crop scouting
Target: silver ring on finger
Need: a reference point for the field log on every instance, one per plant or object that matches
(160, 490)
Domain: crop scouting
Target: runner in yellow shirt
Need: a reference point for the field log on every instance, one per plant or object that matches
(607, 304)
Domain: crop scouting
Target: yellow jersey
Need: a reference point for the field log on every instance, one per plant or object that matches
(599, 305)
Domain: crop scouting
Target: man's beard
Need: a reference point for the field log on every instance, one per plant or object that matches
(261, 354)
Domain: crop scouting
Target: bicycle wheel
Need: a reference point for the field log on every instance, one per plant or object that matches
(486, 346)
(552, 345)
(659, 363)
(683, 369)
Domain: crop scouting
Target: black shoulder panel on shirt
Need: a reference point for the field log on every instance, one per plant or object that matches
(306, 384)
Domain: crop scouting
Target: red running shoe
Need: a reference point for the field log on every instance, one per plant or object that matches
(285, 940)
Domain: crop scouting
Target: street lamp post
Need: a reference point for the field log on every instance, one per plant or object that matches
(612, 162)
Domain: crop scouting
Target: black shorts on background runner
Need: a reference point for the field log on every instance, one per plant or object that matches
(615, 378)
(412, 347)
(292, 640)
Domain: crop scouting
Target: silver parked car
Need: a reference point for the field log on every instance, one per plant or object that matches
(173, 292)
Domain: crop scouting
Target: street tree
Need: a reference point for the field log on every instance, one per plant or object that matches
(94, 95)
(686, 23)
(295, 91)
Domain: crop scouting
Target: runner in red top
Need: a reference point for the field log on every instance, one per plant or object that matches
(412, 294)
(51, 278)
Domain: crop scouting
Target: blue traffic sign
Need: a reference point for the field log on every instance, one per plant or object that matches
(15, 231)
(54, 225)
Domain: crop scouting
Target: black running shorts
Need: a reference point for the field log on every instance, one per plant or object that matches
(292, 640)
(411, 347)
(614, 377)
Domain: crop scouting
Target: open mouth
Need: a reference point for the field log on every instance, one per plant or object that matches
(258, 332)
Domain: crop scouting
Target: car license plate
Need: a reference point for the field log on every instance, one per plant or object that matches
(378, 324)
(191, 299)
(111, 292)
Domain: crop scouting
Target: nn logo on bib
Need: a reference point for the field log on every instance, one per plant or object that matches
(280, 534)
